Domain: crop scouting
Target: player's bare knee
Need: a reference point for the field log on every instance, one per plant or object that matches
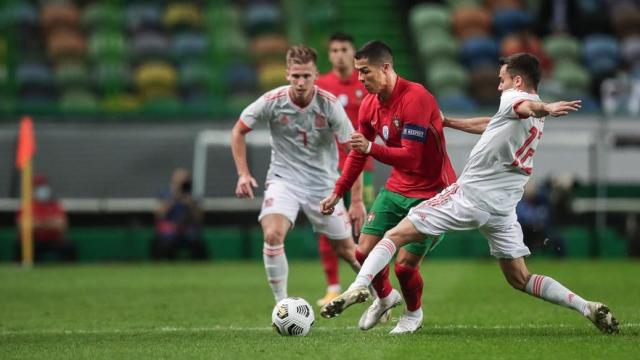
(273, 236)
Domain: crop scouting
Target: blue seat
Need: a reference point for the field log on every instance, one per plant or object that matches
(143, 16)
(479, 51)
(507, 21)
(601, 54)
(240, 78)
(457, 103)
(189, 45)
(150, 44)
(262, 18)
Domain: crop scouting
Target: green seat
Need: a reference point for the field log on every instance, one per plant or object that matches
(195, 74)
(454, 4)
(446, 77)
(107, 44)
(222, 17)
(423, 17)
(562, 47)
(111, 76)
(437, 45)
(74, 74)
(229, 42)
(102, 15)
(575, 79)
(78, 100)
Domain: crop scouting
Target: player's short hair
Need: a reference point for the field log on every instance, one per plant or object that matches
(301, 54)
(525, 65)
(376, 52)
(341, 36)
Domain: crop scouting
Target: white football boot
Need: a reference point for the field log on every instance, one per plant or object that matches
(380, 310)
(407, 324)
(602, 318)
(352, 296)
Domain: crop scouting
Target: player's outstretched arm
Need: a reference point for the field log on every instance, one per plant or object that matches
(539, 109)
(476, 125)
(246, 182)
(357, 210)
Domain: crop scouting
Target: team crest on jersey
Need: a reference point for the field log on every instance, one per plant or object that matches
(321, 121)
(284, 120)
(385, 132)
(396, 122)
(359, 93)
(371, 217)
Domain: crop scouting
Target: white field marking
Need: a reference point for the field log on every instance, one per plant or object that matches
(218, 328)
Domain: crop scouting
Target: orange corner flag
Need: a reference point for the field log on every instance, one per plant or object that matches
(26, 142)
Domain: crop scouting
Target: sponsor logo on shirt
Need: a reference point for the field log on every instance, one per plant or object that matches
(414, 132)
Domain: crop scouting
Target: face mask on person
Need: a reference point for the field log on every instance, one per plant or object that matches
(42, 193)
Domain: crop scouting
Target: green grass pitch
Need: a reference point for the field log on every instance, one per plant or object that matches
(223, 311)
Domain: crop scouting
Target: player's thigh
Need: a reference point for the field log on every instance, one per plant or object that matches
(279, 199)
(385, 213)
(504, 236)
(336, 226)
(447, 211)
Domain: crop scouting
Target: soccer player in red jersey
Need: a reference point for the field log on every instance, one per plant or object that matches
(342, 81)
(407, 118)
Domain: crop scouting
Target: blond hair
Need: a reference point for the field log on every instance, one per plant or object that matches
(300, 55)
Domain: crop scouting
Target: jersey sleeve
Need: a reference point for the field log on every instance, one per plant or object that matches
(356, 161)
(255, 112)
(417, 116)
(509, 102)
(340, 123)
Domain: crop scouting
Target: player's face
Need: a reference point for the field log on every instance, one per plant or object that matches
(506, 81)
(302, 77)
(341, 54)
(373, 77)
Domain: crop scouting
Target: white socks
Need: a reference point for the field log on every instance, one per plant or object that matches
(550, 290)
(275, 263)
(378, 258)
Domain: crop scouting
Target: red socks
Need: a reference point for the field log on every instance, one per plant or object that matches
(329, 260)
(411, 285)
(380, 282)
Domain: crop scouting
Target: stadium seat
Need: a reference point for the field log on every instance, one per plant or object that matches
(446, 77)
(271, 76)
(457, 103)
(424, 17)
(504, 4)
(71, 75)
(194, 74)
(601, 54)
(222, 17)
(57, 14)
(150, 44)
(18, 14)
(183, 15)
(107, 44)
(143, 16)
(265, 47)
(111, 76)
(229, 42)
(78, 100)
(155, 79)
(191, 44)
(240, 78)
(119, 103)
(454, 4)
(508, 21)
(102, 15)
(562, 47)
(262, 18)
(572, 77)
(479, 51)
(66, 43)
(437, 45)
(471, 21)
(625, 19)
(483, 85)
(630, 49)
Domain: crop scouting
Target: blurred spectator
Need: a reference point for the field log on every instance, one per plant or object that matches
(178, 221)
(49, 224)
(534, 216)
(576, 17)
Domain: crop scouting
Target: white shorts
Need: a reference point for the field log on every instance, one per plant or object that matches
(450, 210)
(283, 199)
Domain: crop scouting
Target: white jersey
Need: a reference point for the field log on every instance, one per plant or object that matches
(501, 162)
(303, 140)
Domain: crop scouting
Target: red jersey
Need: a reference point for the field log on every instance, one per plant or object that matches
(409, 123)
(350, 93)
(43, 211)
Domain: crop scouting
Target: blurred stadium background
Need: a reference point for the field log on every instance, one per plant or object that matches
(123, 92)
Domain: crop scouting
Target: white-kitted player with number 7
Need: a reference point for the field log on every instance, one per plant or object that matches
(304, 122)
(486, 194)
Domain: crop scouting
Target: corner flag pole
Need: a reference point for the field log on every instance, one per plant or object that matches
(24, 159)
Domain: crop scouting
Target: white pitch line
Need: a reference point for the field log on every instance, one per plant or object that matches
(171, 329)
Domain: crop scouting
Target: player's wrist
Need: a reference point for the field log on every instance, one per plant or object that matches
(369, 146)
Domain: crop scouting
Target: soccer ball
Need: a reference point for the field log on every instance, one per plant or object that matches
(292, 316)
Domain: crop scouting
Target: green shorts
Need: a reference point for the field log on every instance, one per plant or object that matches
(387, 211)
(368, 191)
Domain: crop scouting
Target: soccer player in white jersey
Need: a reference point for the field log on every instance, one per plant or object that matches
(304, 122)
(486, 194)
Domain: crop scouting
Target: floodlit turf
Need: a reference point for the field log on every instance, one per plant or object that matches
(222, 310)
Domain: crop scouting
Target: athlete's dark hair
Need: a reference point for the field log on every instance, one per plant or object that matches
(525, 65)
(341, 36)
(376, 52)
